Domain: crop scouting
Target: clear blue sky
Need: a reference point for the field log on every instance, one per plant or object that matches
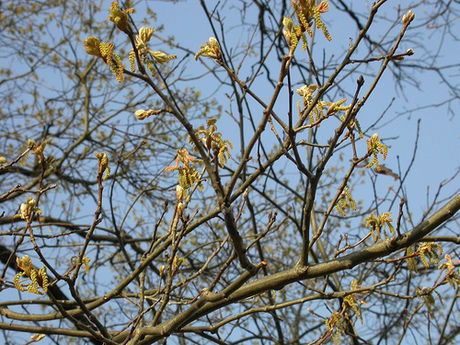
(437, 155)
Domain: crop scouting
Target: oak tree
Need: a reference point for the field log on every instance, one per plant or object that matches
(243, 191)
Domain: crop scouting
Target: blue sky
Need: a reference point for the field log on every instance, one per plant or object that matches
(437, 157)
(439, 138)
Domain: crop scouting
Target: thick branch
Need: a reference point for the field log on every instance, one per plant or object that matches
(279, 280)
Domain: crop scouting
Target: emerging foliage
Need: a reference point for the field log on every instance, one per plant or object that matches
(232, 193)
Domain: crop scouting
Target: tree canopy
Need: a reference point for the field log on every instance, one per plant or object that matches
(262, 186)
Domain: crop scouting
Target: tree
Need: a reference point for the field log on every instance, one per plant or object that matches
(242, 198)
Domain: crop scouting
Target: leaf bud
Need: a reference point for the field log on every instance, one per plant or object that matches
(161, 57)
(180, 193)
(408, 17)
(145, 34)
(180, 208)
(91, 44)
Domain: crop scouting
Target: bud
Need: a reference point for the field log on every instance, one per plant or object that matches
(31, 143)
(307, 90)
(27, 208)
(103, 161)
(287, 23)
(37, 337)
(25, 263)
(408, 17)
(179, 193)
(215, 48)
(210, 49)
(145, 34)
(323, 7)
(375, 137)
(120, 17)
(92, 46)
(161, 57)
(142, 114)
(180, 208)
